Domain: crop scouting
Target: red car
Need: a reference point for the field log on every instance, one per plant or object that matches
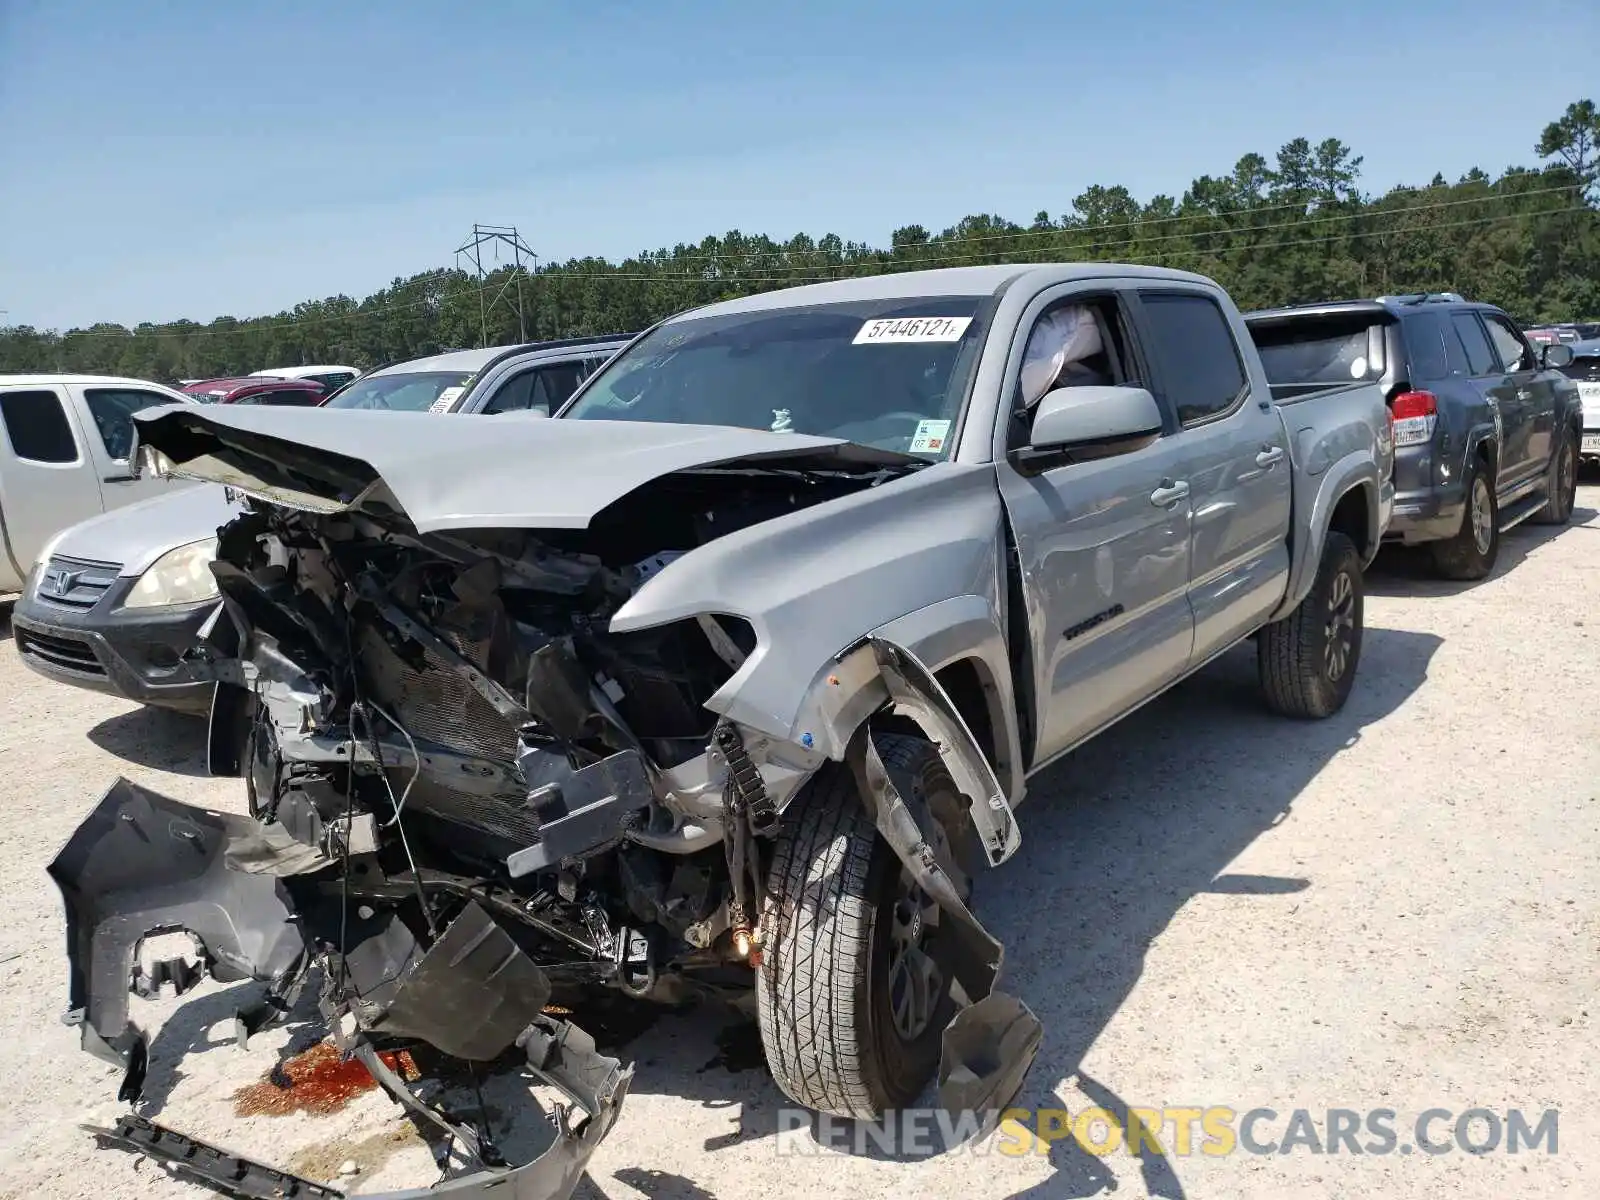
(302, 393)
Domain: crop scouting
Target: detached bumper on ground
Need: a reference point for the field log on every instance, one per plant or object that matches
(142, 865)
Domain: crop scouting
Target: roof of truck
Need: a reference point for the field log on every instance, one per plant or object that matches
(65, 377)
(1382, 306)
(943, 281)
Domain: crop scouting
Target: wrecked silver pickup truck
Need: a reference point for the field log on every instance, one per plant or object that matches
(728, 677)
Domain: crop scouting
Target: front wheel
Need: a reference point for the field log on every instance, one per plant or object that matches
(1561, 486)
(853, 991)
(1307, 661)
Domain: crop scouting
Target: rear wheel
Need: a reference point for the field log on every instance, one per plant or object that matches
(853, 990)
(1471, 553)
(1307, 661)
(1561, 484)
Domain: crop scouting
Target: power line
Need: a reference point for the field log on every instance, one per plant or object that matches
(669, 275)
(1059, 231)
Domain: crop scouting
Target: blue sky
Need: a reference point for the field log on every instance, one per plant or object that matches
(196, 159)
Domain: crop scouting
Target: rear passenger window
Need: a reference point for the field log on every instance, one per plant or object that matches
(1202, 375)
(36, 425)
(1425, 347)
(289, 398)
(113, 409)
(1474, 343)
(544, 389)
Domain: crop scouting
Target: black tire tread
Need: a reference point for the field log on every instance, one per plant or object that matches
(1289, 651)
(1559, 510)
(817, 935)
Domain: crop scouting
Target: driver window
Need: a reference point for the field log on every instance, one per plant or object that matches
(1076, 343)
(1508, 345)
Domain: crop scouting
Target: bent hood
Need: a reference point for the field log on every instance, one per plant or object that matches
(503, 472)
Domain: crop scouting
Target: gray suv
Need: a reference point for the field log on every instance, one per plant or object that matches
(1487, 427)
(143, 587)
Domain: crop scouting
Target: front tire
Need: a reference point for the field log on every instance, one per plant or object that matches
(853, 991)
(1307, 661)
(1562, 483)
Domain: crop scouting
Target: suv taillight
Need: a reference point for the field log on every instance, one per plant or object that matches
(1414, 415)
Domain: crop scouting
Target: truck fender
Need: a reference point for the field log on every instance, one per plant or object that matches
(1310, 534)
(1478, 435)
(877, 672)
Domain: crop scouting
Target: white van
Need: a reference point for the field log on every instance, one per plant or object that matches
(331, 377)
(64, 447)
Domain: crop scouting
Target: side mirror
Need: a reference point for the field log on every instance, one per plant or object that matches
(1070, 416)
(1558, 354)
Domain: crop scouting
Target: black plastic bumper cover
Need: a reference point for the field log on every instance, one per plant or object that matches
(141, 864)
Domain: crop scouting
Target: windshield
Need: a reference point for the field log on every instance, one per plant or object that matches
(886, 373)
(402, 392)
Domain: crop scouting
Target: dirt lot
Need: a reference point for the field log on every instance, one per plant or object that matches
(1397, 908)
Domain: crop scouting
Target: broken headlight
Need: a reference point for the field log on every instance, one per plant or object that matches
(181, 576)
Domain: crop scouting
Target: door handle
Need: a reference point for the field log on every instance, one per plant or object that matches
(1169, 493)
(1269, 456)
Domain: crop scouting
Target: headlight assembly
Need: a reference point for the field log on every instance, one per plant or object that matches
(181, 576)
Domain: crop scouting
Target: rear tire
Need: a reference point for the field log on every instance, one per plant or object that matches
(1561, 485)
(835, 932)
(1307, 661)
(1471, 553)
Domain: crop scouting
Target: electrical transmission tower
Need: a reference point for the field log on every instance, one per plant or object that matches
(494, 238)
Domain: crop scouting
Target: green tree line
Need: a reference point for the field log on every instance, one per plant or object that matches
(1297, 227)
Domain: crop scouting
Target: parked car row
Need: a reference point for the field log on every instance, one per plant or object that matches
(78, 625)
(1570, 332)
(720, 662)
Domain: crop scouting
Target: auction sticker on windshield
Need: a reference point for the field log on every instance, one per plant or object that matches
(446, 399)
(930, 436)
(912, 329)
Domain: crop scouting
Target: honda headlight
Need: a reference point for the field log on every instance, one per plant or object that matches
(181, 576)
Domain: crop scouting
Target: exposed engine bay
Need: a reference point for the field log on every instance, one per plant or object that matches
(455, 708)
(472, 802)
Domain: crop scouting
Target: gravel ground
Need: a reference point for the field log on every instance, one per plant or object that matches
(1396, 908)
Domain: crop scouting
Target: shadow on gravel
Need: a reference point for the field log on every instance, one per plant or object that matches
(155, 737)
(1408, 570)
(1119, 837)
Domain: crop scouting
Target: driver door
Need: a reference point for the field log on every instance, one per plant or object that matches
(1103, 552)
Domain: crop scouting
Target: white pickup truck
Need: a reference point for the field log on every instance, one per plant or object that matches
(64, 458)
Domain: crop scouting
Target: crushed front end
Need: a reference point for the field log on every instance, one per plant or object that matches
(473, 803)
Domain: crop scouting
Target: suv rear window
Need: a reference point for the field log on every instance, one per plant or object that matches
(1427, 354)
(1325, 351)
